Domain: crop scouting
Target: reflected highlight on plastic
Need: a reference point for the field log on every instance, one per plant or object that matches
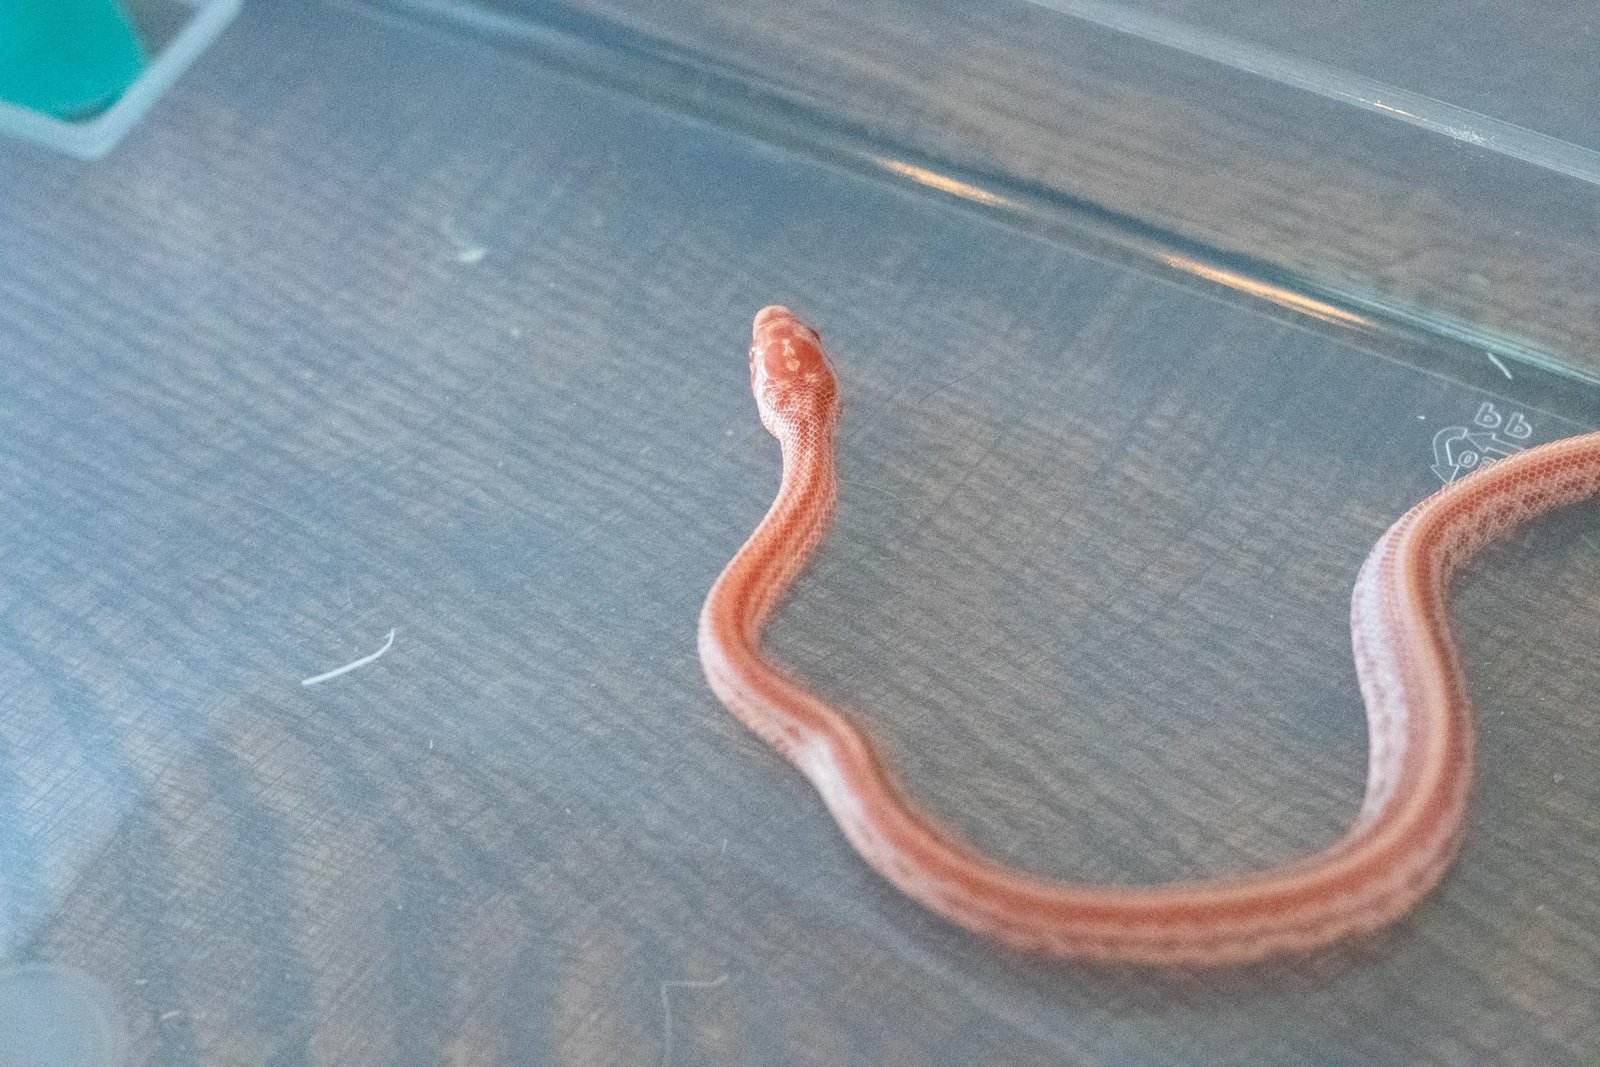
(1277, 294)
(942, 182)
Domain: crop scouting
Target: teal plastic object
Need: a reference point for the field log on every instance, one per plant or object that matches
(76, 75)
(67, 58)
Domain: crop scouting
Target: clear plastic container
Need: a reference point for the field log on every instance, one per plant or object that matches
(421, 330)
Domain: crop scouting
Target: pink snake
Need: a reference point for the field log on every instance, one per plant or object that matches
(1419, 722)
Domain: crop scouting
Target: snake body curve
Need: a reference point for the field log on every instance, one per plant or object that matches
(1419, 722)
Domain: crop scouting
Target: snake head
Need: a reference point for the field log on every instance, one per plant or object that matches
(789, 374)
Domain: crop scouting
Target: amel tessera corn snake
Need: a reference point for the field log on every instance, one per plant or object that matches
(1419, 727)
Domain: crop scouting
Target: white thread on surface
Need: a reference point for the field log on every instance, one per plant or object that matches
(348, 667)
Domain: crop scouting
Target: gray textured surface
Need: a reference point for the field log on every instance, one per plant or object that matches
(1342, 198)
(369, 329)
(1524, 64)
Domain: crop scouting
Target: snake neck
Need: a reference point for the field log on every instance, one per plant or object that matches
(781, 544)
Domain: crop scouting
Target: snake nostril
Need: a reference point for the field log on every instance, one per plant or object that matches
(773, 314)
(776, 324)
